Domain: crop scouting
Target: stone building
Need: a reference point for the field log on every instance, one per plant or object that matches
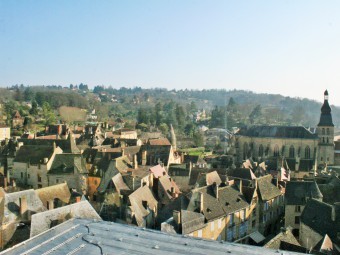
(302, 149)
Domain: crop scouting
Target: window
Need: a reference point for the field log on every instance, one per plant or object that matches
(297, 219)
(307, 152)
(22, 175)
(212, 226)
(265, 206)
(276, 151)
(219, 223)
(261, 150)
(323, 131)
(28, 176)
(230, 234)
(327, 131)
(57, 180)
(292, 152)
(327, 140)
(243, 229)
(297, 208)
(264, 219)
(199, 233)
(243, 215)
(231, 219)
(39, 178)
(323, 139)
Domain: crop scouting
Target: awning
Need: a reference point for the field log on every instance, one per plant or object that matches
(257, 236)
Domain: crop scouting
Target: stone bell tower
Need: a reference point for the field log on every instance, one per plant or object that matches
(325, 131)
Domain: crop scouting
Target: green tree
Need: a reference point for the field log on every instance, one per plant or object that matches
(48, 114)
(198, 139)
(255, 114)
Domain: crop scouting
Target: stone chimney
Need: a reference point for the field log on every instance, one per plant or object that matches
(144, 153)
(135, 162)
(201, 202)
(176, 215)
(215, 186)
(23, 205)
(241, 186)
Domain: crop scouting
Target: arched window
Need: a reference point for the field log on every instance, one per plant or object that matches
(307, 152)
(327, 131)
(323, 131)
(276, 151)
(261, 150)
(292, 152)
(245, 150)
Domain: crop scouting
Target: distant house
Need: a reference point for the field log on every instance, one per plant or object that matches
(32, 163)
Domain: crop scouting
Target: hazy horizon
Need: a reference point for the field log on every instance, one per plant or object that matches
(288, 48)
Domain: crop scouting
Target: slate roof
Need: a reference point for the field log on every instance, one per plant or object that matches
(318, 216)
(297, 132)
(298, 192)
(231, 199)
(167, 183)
(191, 221)
(331, 190)
(119, 183)
(326, 116)
(12, 204)
(42, 221)
(285, 235)
(136, 200)
(33, 154)
(266, 189)
(241, 173)
(68, 163)
(67, 145)
(60, 191)
(99, 237)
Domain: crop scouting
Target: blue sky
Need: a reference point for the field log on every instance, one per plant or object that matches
(283, 47)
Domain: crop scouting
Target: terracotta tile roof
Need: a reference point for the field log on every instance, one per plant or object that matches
(159, 142)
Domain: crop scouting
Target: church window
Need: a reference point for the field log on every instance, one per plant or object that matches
(261, 150)
(307, 152)
(276, 151)
(292, 152)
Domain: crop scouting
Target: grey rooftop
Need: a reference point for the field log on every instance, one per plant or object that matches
(84, 236)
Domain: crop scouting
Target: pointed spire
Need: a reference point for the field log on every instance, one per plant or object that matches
(173, 137)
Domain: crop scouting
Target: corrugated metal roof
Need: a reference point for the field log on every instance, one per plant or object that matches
(81, 236)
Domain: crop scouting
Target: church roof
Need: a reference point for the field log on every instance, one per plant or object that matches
(293, 132)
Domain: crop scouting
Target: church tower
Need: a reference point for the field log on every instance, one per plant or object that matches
(325, 131)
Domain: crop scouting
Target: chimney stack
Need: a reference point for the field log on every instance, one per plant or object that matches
(201, 202)
(215, 185)
(135, 162)
(144, 158)
(177, 217)
(23, 205)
